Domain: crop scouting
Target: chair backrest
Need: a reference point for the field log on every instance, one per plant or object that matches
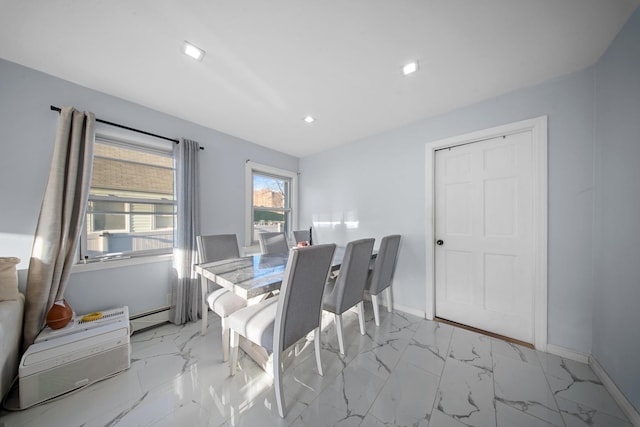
(273, 243)
(217, 247)
(385, 264)
(302, 235)
(300, 300)
(352, 277)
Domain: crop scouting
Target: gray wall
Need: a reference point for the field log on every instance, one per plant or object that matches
(594, 200)
(379, 181)
(376, 186)
(28, 133)
(616, 320)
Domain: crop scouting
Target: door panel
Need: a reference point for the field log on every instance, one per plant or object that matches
(483, 214)
(500, 206)
(459, 289)
(458, 209)
(498, 293)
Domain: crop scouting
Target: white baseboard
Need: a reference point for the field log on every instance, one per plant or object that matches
(627, 407)
(567, 353)
(409, 310)
(151, 318)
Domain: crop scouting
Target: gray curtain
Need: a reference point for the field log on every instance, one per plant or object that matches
(185, 301)
(61, 217)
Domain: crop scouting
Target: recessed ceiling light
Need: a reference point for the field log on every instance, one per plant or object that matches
(193, 51)
(411, 67)
(309, 119)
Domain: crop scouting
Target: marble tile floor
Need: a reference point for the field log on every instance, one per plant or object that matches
(407, 372)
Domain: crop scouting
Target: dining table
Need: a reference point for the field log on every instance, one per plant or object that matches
(253, 278)
(256, 275)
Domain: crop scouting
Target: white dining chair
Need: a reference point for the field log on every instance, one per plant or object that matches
(221, 301)
(381, 276)
(273, 243)
(278, 323)
(347, 289)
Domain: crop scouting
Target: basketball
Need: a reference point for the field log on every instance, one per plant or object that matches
(59, 315)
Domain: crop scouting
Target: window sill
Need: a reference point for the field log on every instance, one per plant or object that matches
(118, 263)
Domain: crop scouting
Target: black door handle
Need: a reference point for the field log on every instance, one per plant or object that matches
(439, 242)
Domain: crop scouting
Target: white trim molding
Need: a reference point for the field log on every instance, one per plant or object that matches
(409, 310)
(120, 262)
(396, 308)
(627, 407)
(538, 129)
(567, 353)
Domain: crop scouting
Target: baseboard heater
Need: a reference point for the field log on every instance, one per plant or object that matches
(149, 319)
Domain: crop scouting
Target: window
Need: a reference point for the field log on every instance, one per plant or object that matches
(163, 218)
(271, 201)
(131, 209)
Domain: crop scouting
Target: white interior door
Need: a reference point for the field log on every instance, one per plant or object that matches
(484, 253)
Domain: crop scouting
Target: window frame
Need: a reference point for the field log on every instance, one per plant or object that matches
(253, 167)
(124, 213)
(144, 144)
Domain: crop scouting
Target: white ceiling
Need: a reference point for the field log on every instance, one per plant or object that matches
(270, 63)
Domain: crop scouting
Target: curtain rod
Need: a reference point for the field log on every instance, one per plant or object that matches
(177, 141)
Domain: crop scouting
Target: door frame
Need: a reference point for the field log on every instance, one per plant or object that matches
(538, 128)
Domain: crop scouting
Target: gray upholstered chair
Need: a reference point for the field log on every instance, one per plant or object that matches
(273, 243)
(347, 289)
(278, 323)
(221, 301)
(381, 276)
(302, 235)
